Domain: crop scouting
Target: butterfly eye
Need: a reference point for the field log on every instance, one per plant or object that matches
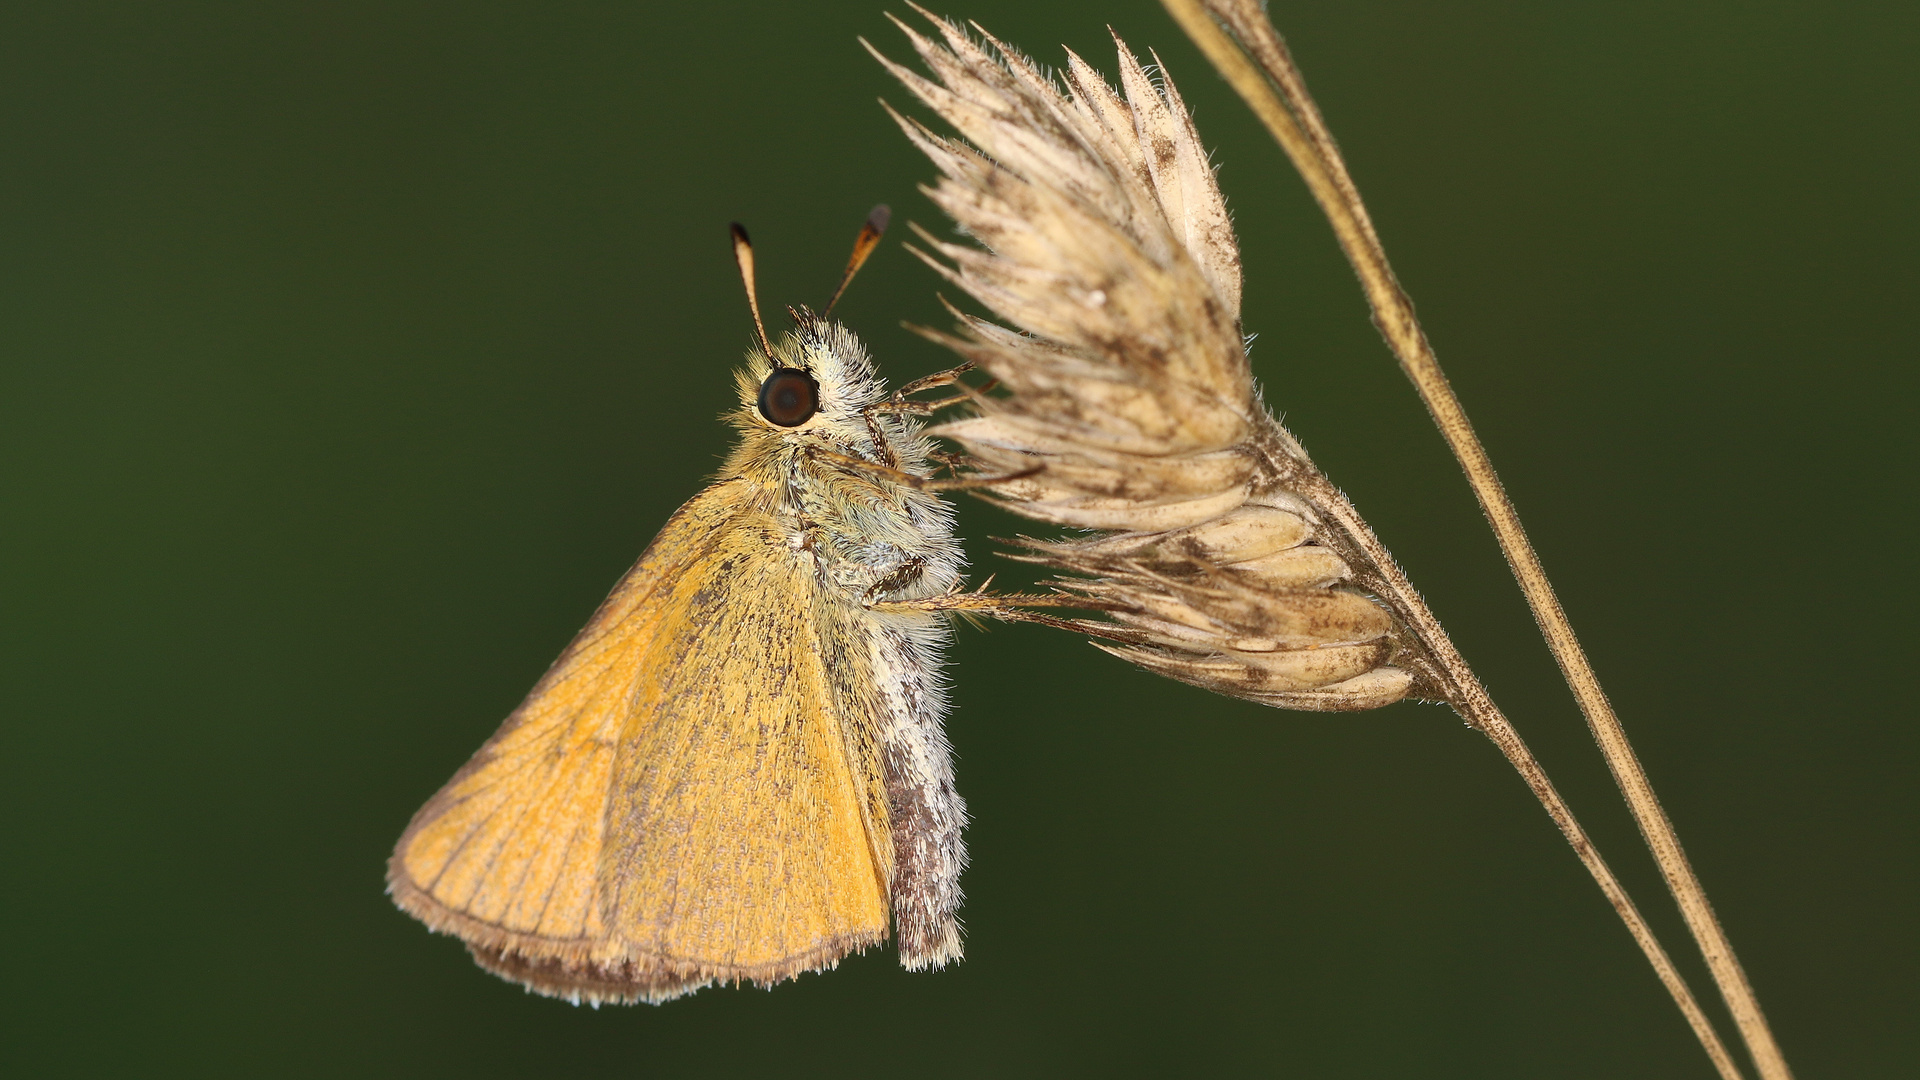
(789, 397)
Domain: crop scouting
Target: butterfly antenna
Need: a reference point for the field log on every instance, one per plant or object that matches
(863, 245)
(743, 254)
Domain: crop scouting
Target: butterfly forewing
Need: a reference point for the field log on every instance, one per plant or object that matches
(739, 822)
(646, 823)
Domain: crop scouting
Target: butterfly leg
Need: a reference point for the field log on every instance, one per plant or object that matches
(921, 483)
(1017, 607)
(902, 576)
(929, 382)
(898, 402)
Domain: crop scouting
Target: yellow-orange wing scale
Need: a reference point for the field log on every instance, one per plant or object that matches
(679, 801)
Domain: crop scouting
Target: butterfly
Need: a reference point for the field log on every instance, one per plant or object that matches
(737, 771)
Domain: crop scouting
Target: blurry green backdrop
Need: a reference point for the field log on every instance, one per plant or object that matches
(353, 350)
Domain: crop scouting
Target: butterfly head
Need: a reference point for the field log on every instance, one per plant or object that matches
(815, 378)
(816, 384)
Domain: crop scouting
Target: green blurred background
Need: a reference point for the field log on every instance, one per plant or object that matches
(353, 350)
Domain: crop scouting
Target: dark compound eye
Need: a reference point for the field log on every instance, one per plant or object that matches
(789, 397)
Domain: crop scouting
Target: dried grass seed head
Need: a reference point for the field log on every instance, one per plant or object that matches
(1106, 244)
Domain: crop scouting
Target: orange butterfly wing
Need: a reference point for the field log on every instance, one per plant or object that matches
(679, 800)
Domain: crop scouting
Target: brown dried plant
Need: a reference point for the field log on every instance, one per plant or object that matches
(1219, 553)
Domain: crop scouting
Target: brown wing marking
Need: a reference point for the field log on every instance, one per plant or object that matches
(675, 803)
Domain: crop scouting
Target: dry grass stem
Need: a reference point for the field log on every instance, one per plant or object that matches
(1221, 555)
(1279, 96)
